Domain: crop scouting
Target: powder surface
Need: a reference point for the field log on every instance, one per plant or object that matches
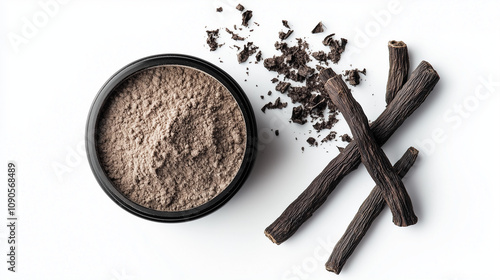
(171, 138)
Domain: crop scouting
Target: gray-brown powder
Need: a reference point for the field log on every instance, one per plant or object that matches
(171, 138)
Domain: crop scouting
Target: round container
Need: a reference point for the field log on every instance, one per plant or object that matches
(177, 60)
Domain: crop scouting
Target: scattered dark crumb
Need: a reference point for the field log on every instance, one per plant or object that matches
(248, 50)
(251, 30)
(336, 47)
(219, 9)
(326, 124)
(221, 61)
(299, 115)
(328, 39)
(280, 46)
(212, 39)
(329, 137)
(299, 94)
(302, 148)
(277, 132)
(283, 36)
(276, 105)
(296, 138)
(234, 36)
(262, 97)
(256, 85)
(305, 71)
(285, 24)
(274, 62)
(269, 93)
(258, 57)
(346, 138)
(312, 141)
(320, 56)
(246, 16)
(341, 149)
(318, 28)
(282, 86)
(237, 47)
(256, 23)
(240, 8)
(235, 27)
(319, 67)
(353, 76)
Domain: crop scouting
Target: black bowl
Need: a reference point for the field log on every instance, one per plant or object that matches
(178, 60)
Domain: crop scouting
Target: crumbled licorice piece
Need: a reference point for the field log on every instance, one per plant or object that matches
(280, 45)
(276, 105)
(282, 86)
(346, 138)
(336, 47)
(299, 115)
(320, 56)
(329, 137)
(246, 16)
(285, 24)
(326, 124)
(283, 36)
(258, 56)
(353, 76)
(318, 28)
(328, 39)
(312, 141)
(234, 36)
(305, 71)
(248, 50)
(212, 39)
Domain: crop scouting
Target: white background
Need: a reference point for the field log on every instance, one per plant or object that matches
(69, 229)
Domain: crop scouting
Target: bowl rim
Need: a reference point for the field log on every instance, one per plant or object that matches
(174, 60)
